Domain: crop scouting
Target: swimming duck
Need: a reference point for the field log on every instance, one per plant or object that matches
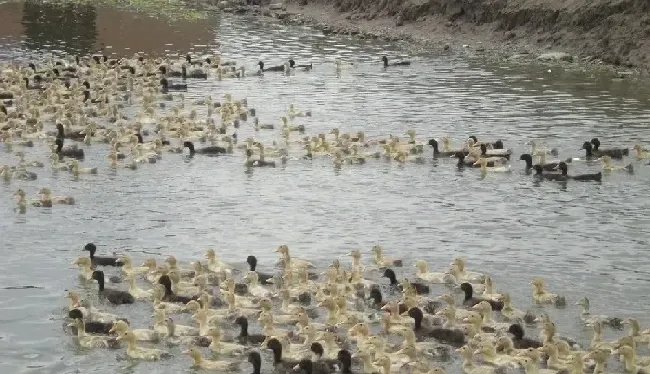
(165, 86)
(92, 341)
(278, 362)
(382, 261)
(490, 356)
(452, 337)
(101, 261)
(640, 153)
(292, 65)
(541, 296)
(589, 319)
(483, 163)
(133, 351)
(471, 300)
(469, 367)
(136, 291)
(211, 150)
(76, 153)
(113, 296)
(631, 366)
(596, 177)
(120, 327)
(512, 314)
(244, 337)
(519, 341)
(540, 174)
(445, 153)
(272, 68)
(529, 163)
(262, 277)
(384, 59)
(76, 170)
(169, 294)
(609, 166)
(419, 287)
(611, 152)
(250, 162)
(93, 327)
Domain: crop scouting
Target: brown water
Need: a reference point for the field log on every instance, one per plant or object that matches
(585, 238)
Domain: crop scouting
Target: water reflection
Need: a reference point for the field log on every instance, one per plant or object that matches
(83, 29)
(68, 27)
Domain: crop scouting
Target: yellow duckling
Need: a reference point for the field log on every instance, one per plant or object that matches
(136, 291)
(220, 347)
(380, 260)
(640, 153)
(128, 268)
(133, 351)
(513, 314)
(120, 327)
(629, 360)
(468, 366)
(215, 265)
(541, 296)
(201, 363)
(483, 162)
(56, 163)
(92, 341)
(76, 170)
(490, 356)
(609, 166)
(254, 287)
(112, 156)
(47, 196)
(366, 359)
(422, 272)
(288, 261)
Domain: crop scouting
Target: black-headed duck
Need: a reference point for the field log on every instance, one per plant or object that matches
(318, 364)
(76, 153)
(211, 150)
(539, 173)
(529, 163)
(255, 359)
(170, 295)
(101, 261)
(244, 337)
(519, 341)
(345, 358)
(257, 163)
(278, 362)
(471, 300)
(114, 296)
(292, 65)
(272, 68)
(452, 337)
(419, 287)
(91, 327)
(167, 87)
(591, 177)
(611, 152)
(263, 278)
(437, 153)
(384, 59)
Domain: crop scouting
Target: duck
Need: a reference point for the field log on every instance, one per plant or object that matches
(422, 272)
(75, 153)
(136, 291)
(244, 337)
(433, 143)
(611, 152)
(640, 153)
(133, 351)
(76, 170)
(469, 367)
(483, 163)
(46, 196)
(419, 287)
(541, 296)
(609, 166)
(518, 339)
(210, 150)
(169, 87)
(551, 166)
(382, 261)
(452, 337)
(263, 278)
(223, 348)
(596, 177)
(471, 300)
(169, 294)
(512, 314)
(490, 356)
(464, 274)
(120, 327)
(304, 67)
(215, 265)
(630, 365)
(114, 296)
(250, 162)
(540, 174)
(589, 319)
(272, 68)
(92, 327)
(384, 59)
(279, 363)
(92, 341)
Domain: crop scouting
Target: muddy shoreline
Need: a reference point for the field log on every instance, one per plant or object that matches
(441, 35)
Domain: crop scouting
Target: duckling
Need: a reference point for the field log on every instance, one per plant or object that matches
(169, 87)
(513, 314)
(220, 347)
(47, 198)
(136, 352)
(469, 367)
(609, 166)
(136, 291)
(204, 364)
(483, 163)
(490, 356)
(530, 367)
(589, 319)
(382, 261)
(92, 341)
(254, 288)
(640, 153)
(423, 273)
(384, 59)
(643, 337)
(631, 366)
(120, 327)
(76, 170)
(541, 296)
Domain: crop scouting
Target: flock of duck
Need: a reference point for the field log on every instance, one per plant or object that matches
(340, 320)
(345, 319)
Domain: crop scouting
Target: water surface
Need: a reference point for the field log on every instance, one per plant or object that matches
(585, 238)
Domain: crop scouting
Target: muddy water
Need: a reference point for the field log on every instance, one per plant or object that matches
(585, 238)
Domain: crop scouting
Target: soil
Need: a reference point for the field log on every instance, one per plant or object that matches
(609, 32)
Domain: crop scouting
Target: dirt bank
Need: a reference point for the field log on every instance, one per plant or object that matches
(615, 32)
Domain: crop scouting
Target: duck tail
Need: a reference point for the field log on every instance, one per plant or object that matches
(560, 301)
(630, 168)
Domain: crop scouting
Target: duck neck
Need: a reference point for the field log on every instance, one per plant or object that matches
(286, 304)
(203, 327)
(131, 346)
(368, 366)
(216, 341)
(630, 365)
(531, 369)
(243, 331)
(332, 315)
